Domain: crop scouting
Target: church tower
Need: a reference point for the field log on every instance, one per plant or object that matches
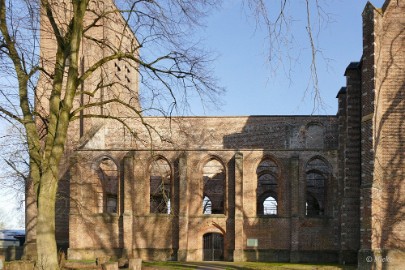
(112, 84)
(111, 91)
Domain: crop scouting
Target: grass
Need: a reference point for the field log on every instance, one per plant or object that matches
(87, 265)
(242, 265)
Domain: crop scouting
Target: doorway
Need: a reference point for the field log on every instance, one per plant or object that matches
(213, 247)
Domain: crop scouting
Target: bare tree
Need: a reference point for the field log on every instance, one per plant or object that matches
(49, 85)
(282, 26)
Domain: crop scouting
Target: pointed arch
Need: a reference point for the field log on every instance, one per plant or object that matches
(160, 186)
(267, 173)
(107, 190)
(214, 185)
(317, 172)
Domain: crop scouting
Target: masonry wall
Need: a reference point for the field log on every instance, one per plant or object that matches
(350, 162)
(383, 137)
(291, 235)
(361, 149)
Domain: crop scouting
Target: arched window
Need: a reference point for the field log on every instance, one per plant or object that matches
(267, 187)
(317, 172)
(214, 182)
(108, 196)
(270, 206)
(160, 186)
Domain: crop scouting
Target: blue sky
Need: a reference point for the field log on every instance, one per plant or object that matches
(251, 86)
(252, 89)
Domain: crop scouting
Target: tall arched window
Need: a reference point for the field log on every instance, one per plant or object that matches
(160, 186)
(108, 196)
(317, 172)
(267, 173)
(214, 182)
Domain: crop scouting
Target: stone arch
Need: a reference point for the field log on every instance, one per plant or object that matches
(107, 187)
(208, 158)
(312, 162)
(268, 175)
(213, 180)
(317, 175)
(272, 158)
(160, 185)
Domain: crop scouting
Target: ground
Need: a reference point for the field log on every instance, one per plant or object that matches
(239, 266)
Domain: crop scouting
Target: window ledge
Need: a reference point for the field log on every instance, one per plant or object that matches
(318, 217)
(212, 215)
(268, 216)
(107, 214)
(108, 217)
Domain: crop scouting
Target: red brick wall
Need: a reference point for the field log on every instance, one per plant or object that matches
(383, 165)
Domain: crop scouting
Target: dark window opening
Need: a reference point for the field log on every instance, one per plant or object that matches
(117, 66)
(214, 182)
(160, 187)
(108, 198)
(317, 172)
(267, 188)
(128, 80)
(111, 204)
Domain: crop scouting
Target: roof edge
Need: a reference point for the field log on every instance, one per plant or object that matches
(370, 6)
(385, 5)
(352, 66)
(342, 91)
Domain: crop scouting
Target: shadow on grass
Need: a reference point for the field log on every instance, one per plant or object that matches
(241, 266)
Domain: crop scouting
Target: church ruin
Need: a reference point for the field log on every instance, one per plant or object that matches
(254, 188)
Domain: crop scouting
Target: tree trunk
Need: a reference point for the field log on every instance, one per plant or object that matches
(46, 243)
(31, 213)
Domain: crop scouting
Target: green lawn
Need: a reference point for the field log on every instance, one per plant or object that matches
(240, 266)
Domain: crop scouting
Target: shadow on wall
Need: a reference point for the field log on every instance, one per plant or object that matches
(388, 216)
(285, 132)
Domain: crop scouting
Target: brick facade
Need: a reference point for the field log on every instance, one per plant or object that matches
(383, 167)
(244, 148)
(267, 188)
